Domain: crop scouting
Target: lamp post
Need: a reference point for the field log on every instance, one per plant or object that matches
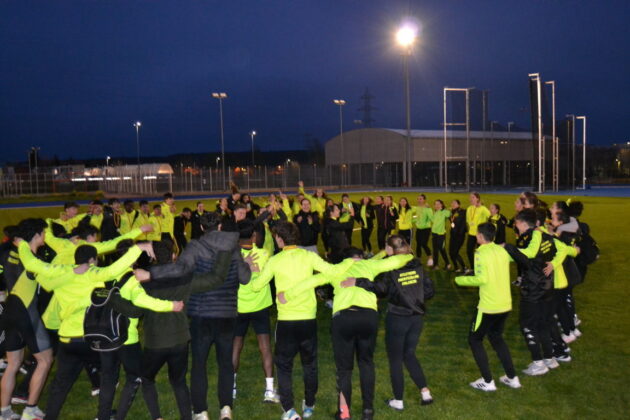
(36, 149)
(483, 155)
(221, 96)
(554, 141)
(572, 116)
(137, 125)
(583, 118)
(252, 134)
(340, 103)
(406, 37)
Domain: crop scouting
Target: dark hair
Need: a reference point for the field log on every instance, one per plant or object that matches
(288, 232)
(30, 227)
(157, 206)
(123, 246)
(58, 230)
(352, 252)
(11, 232)
(302, 201)
(168, 195)
(163, 251)
(527, 216)
(459, 203)
(144, 203)
(476, 194)
(575, 209)
(127, 202)
(199, 202)
(97, 203)
(69, 204)
(186, 210)
(497, 206)
(240, 206)
(112, 201)
(407, 207)
(487, 230)
(84, 253)
(563, 217)
(531, 198)
(441, 203)
(541, 216)
(562, 206)
(246, 229)
(330, 209)
(423, 196)
(210, 221)
(83, 231)
(398, 244)
(344, 195)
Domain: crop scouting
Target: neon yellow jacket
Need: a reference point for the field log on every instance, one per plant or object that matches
(290, 267)
(159, 224)
(476, 215)
(559, 278)
(405, 219)
(492, 276)
(126, 221)
(70, 224)
(143, 219)
(422, 217)
(73, 291)
(248, 300)
(438, 225)
(350, 296)
(169, 219)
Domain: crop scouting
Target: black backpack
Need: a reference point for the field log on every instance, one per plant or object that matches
(104, 329)
(589, 251)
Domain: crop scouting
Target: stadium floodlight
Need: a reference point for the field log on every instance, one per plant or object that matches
(406, 35)
(252, 135)
(341, 103)
(583, 118)
(221, 96)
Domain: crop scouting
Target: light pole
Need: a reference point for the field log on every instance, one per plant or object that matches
(252, 134)
(505, 161)
(483, 155)
(35, 149)
(535, 77)
(341, 103)
(554, 141)
(572, 116)
(137, 125)
(583, 117)
(221, 96)
(406, 37)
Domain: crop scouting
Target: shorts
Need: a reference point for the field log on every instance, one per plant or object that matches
(24, 328)
(259, 320)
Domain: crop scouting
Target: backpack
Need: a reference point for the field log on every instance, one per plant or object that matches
(104, 329)
(589, 251)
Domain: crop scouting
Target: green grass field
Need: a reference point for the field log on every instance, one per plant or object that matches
(592, 386)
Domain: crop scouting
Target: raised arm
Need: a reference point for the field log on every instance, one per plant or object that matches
(109, 246)
(102, 274)
(50, 276)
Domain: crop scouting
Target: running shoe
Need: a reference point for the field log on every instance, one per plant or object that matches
(271, 396)
(512, 383)
(536, 368)
(482, 385)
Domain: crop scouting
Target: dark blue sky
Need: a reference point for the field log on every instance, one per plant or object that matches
(74, 75)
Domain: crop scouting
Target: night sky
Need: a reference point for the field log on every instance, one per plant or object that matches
(74, 75)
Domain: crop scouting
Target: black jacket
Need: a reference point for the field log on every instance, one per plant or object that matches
(308, 231)
(386, 217)
(404, 288)
(458, 222)
(337, 239)
(369, 216)
(535, 286)
(500, 224)
(200, 257)
(195, 224)
(110, 225)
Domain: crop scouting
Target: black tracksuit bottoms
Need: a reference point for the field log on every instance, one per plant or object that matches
(492, 325)
(365, 239)
(535, 328)
(454, 246)
(293, 337)
(439, 247)
(177, 360)
(471, 246)
(354, 332)
(381, 236)
(402, 334)
(71, 357)
(204, 333)
(131, 359)
(422, 242)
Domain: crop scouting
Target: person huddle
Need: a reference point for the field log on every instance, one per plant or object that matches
(124, 287)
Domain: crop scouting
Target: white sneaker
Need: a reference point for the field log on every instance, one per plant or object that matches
(512, 383)
(9, 415)
(430, 262)
(271, 396)
(564, 358)
(17, 400)
(577, 333)
(569, 338)
(234, 393)
(482, 385)
(201, 416)
(95, 392)
(536, 368)
(307, 411)
(32, 414)
(396, 404)
(290, 415)
(226, 413)
(551, 363)
(576, 320)
(427, 398)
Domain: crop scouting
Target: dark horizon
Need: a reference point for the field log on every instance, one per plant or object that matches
(77, 74)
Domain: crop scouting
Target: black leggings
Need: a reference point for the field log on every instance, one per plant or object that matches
(131, 359)
(354, 332)
(471, 246)
(405, 233)
(381, 236)
(439, 247)
(491, 325)
(402, 334)
(454, 246)
(535, 329)
(177, 360)
(365, 239)
(422, 242)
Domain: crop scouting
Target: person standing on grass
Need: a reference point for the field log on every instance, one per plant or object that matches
(386, 216)
(308, 223)
(179, 228)
(347, 206)
(366, 217)
(128, 217)
(422, 219)
(336, 226)
(476, 214)
(492, 276)
(458, 236)
(499, 221)
(296, 330)
(404, 288)
(253, 307)
(354, 323)
(405, 215)
(438, 233)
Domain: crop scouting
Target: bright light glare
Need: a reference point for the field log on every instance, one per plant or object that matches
(406, 35)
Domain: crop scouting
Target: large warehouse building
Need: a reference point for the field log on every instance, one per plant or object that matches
(375, 156)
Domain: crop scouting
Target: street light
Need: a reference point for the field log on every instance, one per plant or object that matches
(554, 141)
(35, 150)
(252, 134)
(572, 116)
(583, 118)
(137, 125)
(406, 38)
(221, 96)
(341, 103)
